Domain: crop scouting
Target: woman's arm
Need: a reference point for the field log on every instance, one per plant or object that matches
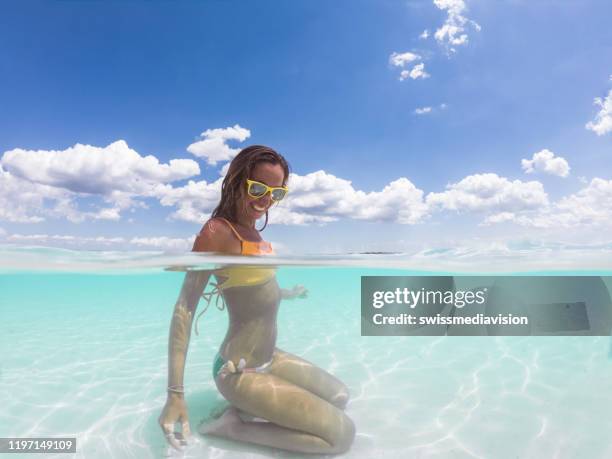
(180, 329)
(175, 409)
(210, 239)
(214, 237)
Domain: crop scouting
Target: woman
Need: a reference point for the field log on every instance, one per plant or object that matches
(301, 406)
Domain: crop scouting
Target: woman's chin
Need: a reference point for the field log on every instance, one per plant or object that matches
(254, 216)
(257, 214)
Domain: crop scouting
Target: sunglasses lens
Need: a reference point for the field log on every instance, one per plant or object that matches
(278, 194)
(257, 189)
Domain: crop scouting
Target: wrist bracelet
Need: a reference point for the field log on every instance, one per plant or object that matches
(177, 389)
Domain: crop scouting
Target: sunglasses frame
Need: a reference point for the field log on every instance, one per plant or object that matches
(269, 189)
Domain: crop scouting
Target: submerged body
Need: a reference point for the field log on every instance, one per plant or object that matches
(300, 406)
(252, 323)
(302, 402)
(252, 296)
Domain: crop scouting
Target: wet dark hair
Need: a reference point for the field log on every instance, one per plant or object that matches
(239, 170)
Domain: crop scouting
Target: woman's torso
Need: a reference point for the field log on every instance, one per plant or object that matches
(252, 297)
(252, 323)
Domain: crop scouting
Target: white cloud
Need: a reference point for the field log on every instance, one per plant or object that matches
(428, 109)
(282, 215)
(52, 184)
(424, 35)
(545, 161)
(68, 209)
(160, 242)
(422, 110)
(214, 148)
(602, 124)
(164, 243)
(25, 202)
(96, 170)
(399, 201)
(39, 184)
(453, 32)
(591, 206)
(418, 71)
(400, 60)
(111, 213)
(318, 197)
(500, 218)
(224, 169)
(489, 193)
(194, 201)
(63, 238)
(321, 197)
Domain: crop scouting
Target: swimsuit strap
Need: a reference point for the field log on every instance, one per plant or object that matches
(232, 228)
(208, 296)
(249, 247)
(229, 367)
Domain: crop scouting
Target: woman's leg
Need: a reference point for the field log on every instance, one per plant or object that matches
(310, 377)
(299, 420)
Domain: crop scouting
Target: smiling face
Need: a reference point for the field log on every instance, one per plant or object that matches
(250, 209)
(258, 163)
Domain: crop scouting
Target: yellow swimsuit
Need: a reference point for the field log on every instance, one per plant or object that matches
(239, 275)
(244, 276)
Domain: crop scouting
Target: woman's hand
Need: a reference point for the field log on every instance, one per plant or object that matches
(299, 291)
(175, 411)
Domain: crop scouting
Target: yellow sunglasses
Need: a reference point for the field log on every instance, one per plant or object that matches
(258, 190)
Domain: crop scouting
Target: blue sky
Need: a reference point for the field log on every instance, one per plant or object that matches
(495, 82)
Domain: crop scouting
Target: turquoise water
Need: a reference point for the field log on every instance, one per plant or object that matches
(84, 354)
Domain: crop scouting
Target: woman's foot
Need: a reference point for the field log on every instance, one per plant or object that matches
(340, 399)
(229, 420)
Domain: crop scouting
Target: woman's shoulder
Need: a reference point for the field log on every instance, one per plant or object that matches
(215, 236)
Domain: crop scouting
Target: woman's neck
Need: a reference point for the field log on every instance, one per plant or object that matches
(245, 221)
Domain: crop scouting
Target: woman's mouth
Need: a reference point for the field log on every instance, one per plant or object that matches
(259, 208)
